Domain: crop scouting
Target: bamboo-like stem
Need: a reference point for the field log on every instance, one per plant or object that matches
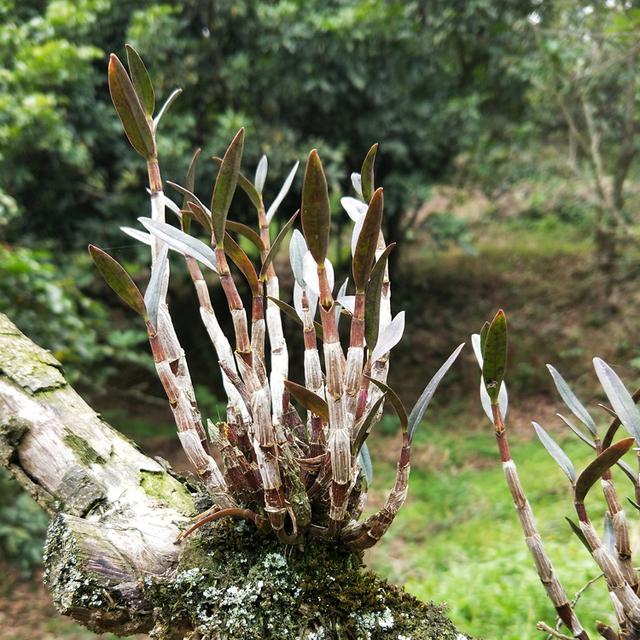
(339, 437)
(609, 566)
(544, 567)
(279, 352)
(369, 532)
(187, 421)
(238, 313)
(355, 358)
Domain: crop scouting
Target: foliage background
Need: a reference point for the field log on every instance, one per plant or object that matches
(493, 205)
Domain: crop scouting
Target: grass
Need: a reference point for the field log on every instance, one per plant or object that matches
(458, 538)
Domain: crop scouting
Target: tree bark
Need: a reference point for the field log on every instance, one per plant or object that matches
(111, 561)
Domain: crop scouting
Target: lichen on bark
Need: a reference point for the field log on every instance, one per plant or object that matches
(235, 582)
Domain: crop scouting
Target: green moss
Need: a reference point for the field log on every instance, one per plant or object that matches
(234, 582)
(165, 488)
(82, 449)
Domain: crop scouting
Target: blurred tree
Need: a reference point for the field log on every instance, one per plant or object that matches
(587, 61)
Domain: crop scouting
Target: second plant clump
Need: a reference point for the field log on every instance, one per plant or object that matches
(302, 471)
(611, 551)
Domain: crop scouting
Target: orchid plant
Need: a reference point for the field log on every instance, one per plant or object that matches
(294, 454)
(611, 551)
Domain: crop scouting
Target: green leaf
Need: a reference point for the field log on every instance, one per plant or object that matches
(288, 310)
(276, 245)
(483, 336)
(190, 181)
(365, 427)
(372, 299)
(247, 232)
(246, 185)
(556, 452)
(316, 210)
(578, 531)
(571, 400)
(366, 173)
(495, 356)
(604, 461)
(365, 253)
(225, 186)
(141, 80)
(134, 120)
(242, 261)
(423, 401)
(118, 279)
(397, 404)
(309, 400)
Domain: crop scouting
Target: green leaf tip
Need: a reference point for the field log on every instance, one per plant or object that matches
(137, 126)
(316, 209)
(365, 253)
(141, 80)
(367, 173)
(595, 469)
(118, 279)
(495, 355)
(225, 186)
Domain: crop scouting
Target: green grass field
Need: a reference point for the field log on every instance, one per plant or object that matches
(458, 538)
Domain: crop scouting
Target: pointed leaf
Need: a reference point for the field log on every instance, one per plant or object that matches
(366, 173)
(556, 452)
(188, 195)
(246, 185)
(225, 186)
(141, 80)
(364, 458)
(625, 468)
(425, 398)
(134, 121)
(247, 232)
(261, 174)
(276, 245)
(166, 106)
(195, 211)
(154, 293)
(397, 404)
(633, 503)
(181, 242)
(316, 210)
(365, 253)
(282, 194)
(372, 298)
(118, 279)
(348, 302)
(570, 399)
(389, 338)
(288, 310)
(503, 397)
(190, 181)
(620, 399)
(242, 261)
(366, 425)
(603, 462)
(495, 356)
(309, 400)
(578, 531)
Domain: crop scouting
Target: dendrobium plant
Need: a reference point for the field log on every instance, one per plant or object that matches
(612, 551)
(297, 469)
